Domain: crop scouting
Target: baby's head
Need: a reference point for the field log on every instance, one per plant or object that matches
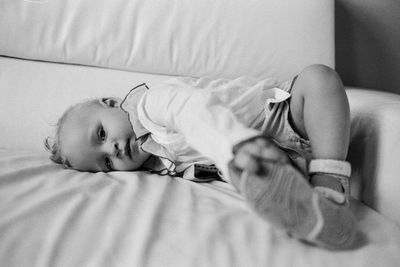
(96, 135)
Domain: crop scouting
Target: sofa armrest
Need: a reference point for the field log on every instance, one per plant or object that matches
(374, 150)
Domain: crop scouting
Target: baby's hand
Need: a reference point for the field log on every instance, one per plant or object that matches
(248, 154)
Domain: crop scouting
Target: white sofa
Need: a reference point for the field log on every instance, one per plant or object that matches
(57, 52)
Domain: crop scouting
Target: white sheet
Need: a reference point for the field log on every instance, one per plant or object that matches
(56, 217)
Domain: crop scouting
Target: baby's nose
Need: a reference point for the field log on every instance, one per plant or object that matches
(118, 149)
(112, 149)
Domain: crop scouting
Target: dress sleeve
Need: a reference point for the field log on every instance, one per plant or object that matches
(207, 124)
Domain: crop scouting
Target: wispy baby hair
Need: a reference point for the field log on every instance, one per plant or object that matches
(53, 144)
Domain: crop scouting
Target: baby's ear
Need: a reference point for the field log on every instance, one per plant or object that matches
(110, 102)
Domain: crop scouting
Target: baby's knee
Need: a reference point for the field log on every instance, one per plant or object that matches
(321, 78)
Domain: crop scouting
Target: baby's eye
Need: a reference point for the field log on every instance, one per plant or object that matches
(108, 163)
(101, 133)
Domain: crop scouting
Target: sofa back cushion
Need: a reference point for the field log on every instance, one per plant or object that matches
(225, 38)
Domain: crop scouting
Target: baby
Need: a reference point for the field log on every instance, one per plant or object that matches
(256, 135)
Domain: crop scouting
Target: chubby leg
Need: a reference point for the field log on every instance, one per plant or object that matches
(319, 111)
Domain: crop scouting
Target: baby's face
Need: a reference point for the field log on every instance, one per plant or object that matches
(99, 137)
